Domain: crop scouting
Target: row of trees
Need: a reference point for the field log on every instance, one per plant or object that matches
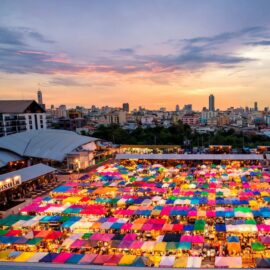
(177, 134)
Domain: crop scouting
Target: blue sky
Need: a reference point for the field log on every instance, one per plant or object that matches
(170, 49)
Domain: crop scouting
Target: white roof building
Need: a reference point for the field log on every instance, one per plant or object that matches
(49, 144)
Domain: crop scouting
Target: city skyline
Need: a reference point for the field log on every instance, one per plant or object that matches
(152, 54)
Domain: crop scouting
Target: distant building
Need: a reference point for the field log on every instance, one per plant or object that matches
(211, 103)
(191, 119)
(177, 108)
(256, 106)
(207, 115)
(267, 120)
(118, 117)
(188, 108)
(40, 99)
(125, 107)
(62, 111)
(21, 115)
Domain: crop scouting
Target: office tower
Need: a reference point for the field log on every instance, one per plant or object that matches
(177, 108)
(211, 103)
(256, 106)
(40, 99)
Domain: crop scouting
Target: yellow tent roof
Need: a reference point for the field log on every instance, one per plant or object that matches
(4, 255)
(161, 247)
(24, 256)
(75, 199)
(127, 259)
(181, 262)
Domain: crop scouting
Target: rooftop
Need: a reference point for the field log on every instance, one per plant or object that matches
(50, 144)
(18, 106)
(29, 173)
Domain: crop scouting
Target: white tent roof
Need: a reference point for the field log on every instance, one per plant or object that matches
(29, 173)
(190, 156)
(50, 144)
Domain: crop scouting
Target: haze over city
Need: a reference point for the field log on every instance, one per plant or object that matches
(148, 53)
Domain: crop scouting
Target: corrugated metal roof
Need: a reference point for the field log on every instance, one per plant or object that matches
(51, 144)
(29, 173)
(6, 157)
(190, 156)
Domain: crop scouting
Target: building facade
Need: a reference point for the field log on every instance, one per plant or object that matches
(211, 103)
(21, 115)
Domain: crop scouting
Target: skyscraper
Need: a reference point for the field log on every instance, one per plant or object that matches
(39, 97)
(125, 107)
(256, 106)
(177, 108)
(211, 103)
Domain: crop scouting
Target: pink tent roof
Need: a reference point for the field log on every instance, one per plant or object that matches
(137, 244)
(87, 258)
(147, 227)
(156, 221)
(263, 227)
(101, 259)
(126, 226)
(114, 260)
(197, 239)
(165, 211)
(186, 238)
(62, 257)
(78, 243)
(112, 219)
(210, 213)
(107, 237)
(192, 213)
(130, 237)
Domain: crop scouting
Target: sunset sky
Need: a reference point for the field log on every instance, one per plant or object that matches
(153, 53)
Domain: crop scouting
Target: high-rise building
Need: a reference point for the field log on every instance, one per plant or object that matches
(125, 107)
(256, 106)
(188, 108)
(211, 103)
(177, 108)
(40, 99)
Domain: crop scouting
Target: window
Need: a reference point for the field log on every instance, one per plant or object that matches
(31, 127)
